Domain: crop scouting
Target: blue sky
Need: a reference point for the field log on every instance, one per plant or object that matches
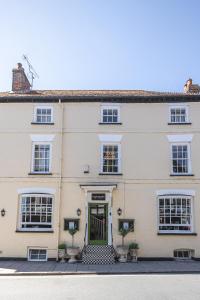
(102, 44)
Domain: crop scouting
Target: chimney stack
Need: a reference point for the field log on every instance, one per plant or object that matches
(20, 83)
(190, 88)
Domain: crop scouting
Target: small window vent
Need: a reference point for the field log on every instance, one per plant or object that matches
(183, 253)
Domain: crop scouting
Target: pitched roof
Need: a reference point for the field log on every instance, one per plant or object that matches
(96, 95)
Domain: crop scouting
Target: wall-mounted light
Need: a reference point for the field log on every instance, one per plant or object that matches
(78, 212)
(3, 212)
(119, 211)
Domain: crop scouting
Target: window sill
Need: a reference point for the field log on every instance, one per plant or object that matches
(111, 174)
(32, 173)
(177, 233)
(34, 231)
(186, 123)
(116, 123)
(181, 175)
(37, 123)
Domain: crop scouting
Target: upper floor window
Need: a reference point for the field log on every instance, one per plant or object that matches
(41, 157)
(43, 114)
(181, 163)
(110, 158)
(180, 146)
(175, 214)
(178, 114)
(110, 114)
(36, 212)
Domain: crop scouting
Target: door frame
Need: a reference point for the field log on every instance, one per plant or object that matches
(99, 188)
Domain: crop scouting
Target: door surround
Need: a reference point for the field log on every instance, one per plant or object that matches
(89, 189)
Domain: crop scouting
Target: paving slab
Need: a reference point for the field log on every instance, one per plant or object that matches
(52, 267)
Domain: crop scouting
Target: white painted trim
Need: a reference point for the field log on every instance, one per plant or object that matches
(178, 104)
(176, 138)
(37, 248)
(33, 156)
(189, 158)
(42, 107)
(119, 157)
(88, 189)
(36, 190)
(192, 211)
(110, 106)
(113, 138)
(98, 188)
(35, 228)
(42, 137)
(175, 192)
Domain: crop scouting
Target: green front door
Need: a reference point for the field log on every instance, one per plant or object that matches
(98, 224)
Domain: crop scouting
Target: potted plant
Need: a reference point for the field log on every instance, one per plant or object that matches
(72, 251)
(122, 250)
(133, 249)
(61, 252)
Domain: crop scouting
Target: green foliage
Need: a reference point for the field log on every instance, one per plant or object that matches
(123, 232)
(62, 246)
(133, 246)
(72, 231)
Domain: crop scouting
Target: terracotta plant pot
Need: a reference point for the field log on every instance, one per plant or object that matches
(73, 252)
(61, 255)
(123, 252)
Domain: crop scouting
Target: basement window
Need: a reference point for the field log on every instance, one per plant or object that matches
(183, 254)
(37, 255)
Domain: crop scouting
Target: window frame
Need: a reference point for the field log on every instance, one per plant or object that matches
(33, 157)
(110, 106)
(119, 157)
(35, 229)
(39, 249)
(189, 158)
(179, 106)
(42, 107)
(191, 231)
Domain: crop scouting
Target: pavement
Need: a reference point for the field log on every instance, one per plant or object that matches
(56, 268)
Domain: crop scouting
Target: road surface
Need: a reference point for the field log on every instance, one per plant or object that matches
(96, 287)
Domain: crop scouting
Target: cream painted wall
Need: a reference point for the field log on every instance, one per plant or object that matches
(145, 168)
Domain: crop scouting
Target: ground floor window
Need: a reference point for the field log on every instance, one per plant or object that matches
(175, 214)
(36, 212)
(37, 255)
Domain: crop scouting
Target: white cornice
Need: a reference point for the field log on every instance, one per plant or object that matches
(114, 138)
(175, 192)
(42, 137)
(36, 190)
(176, 138)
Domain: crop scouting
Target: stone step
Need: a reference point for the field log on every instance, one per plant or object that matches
(98, 254)
(98, 261)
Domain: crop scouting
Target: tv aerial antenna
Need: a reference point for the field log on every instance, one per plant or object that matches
(32, 73)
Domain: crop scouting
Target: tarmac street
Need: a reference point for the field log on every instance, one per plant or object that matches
(111, 287)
